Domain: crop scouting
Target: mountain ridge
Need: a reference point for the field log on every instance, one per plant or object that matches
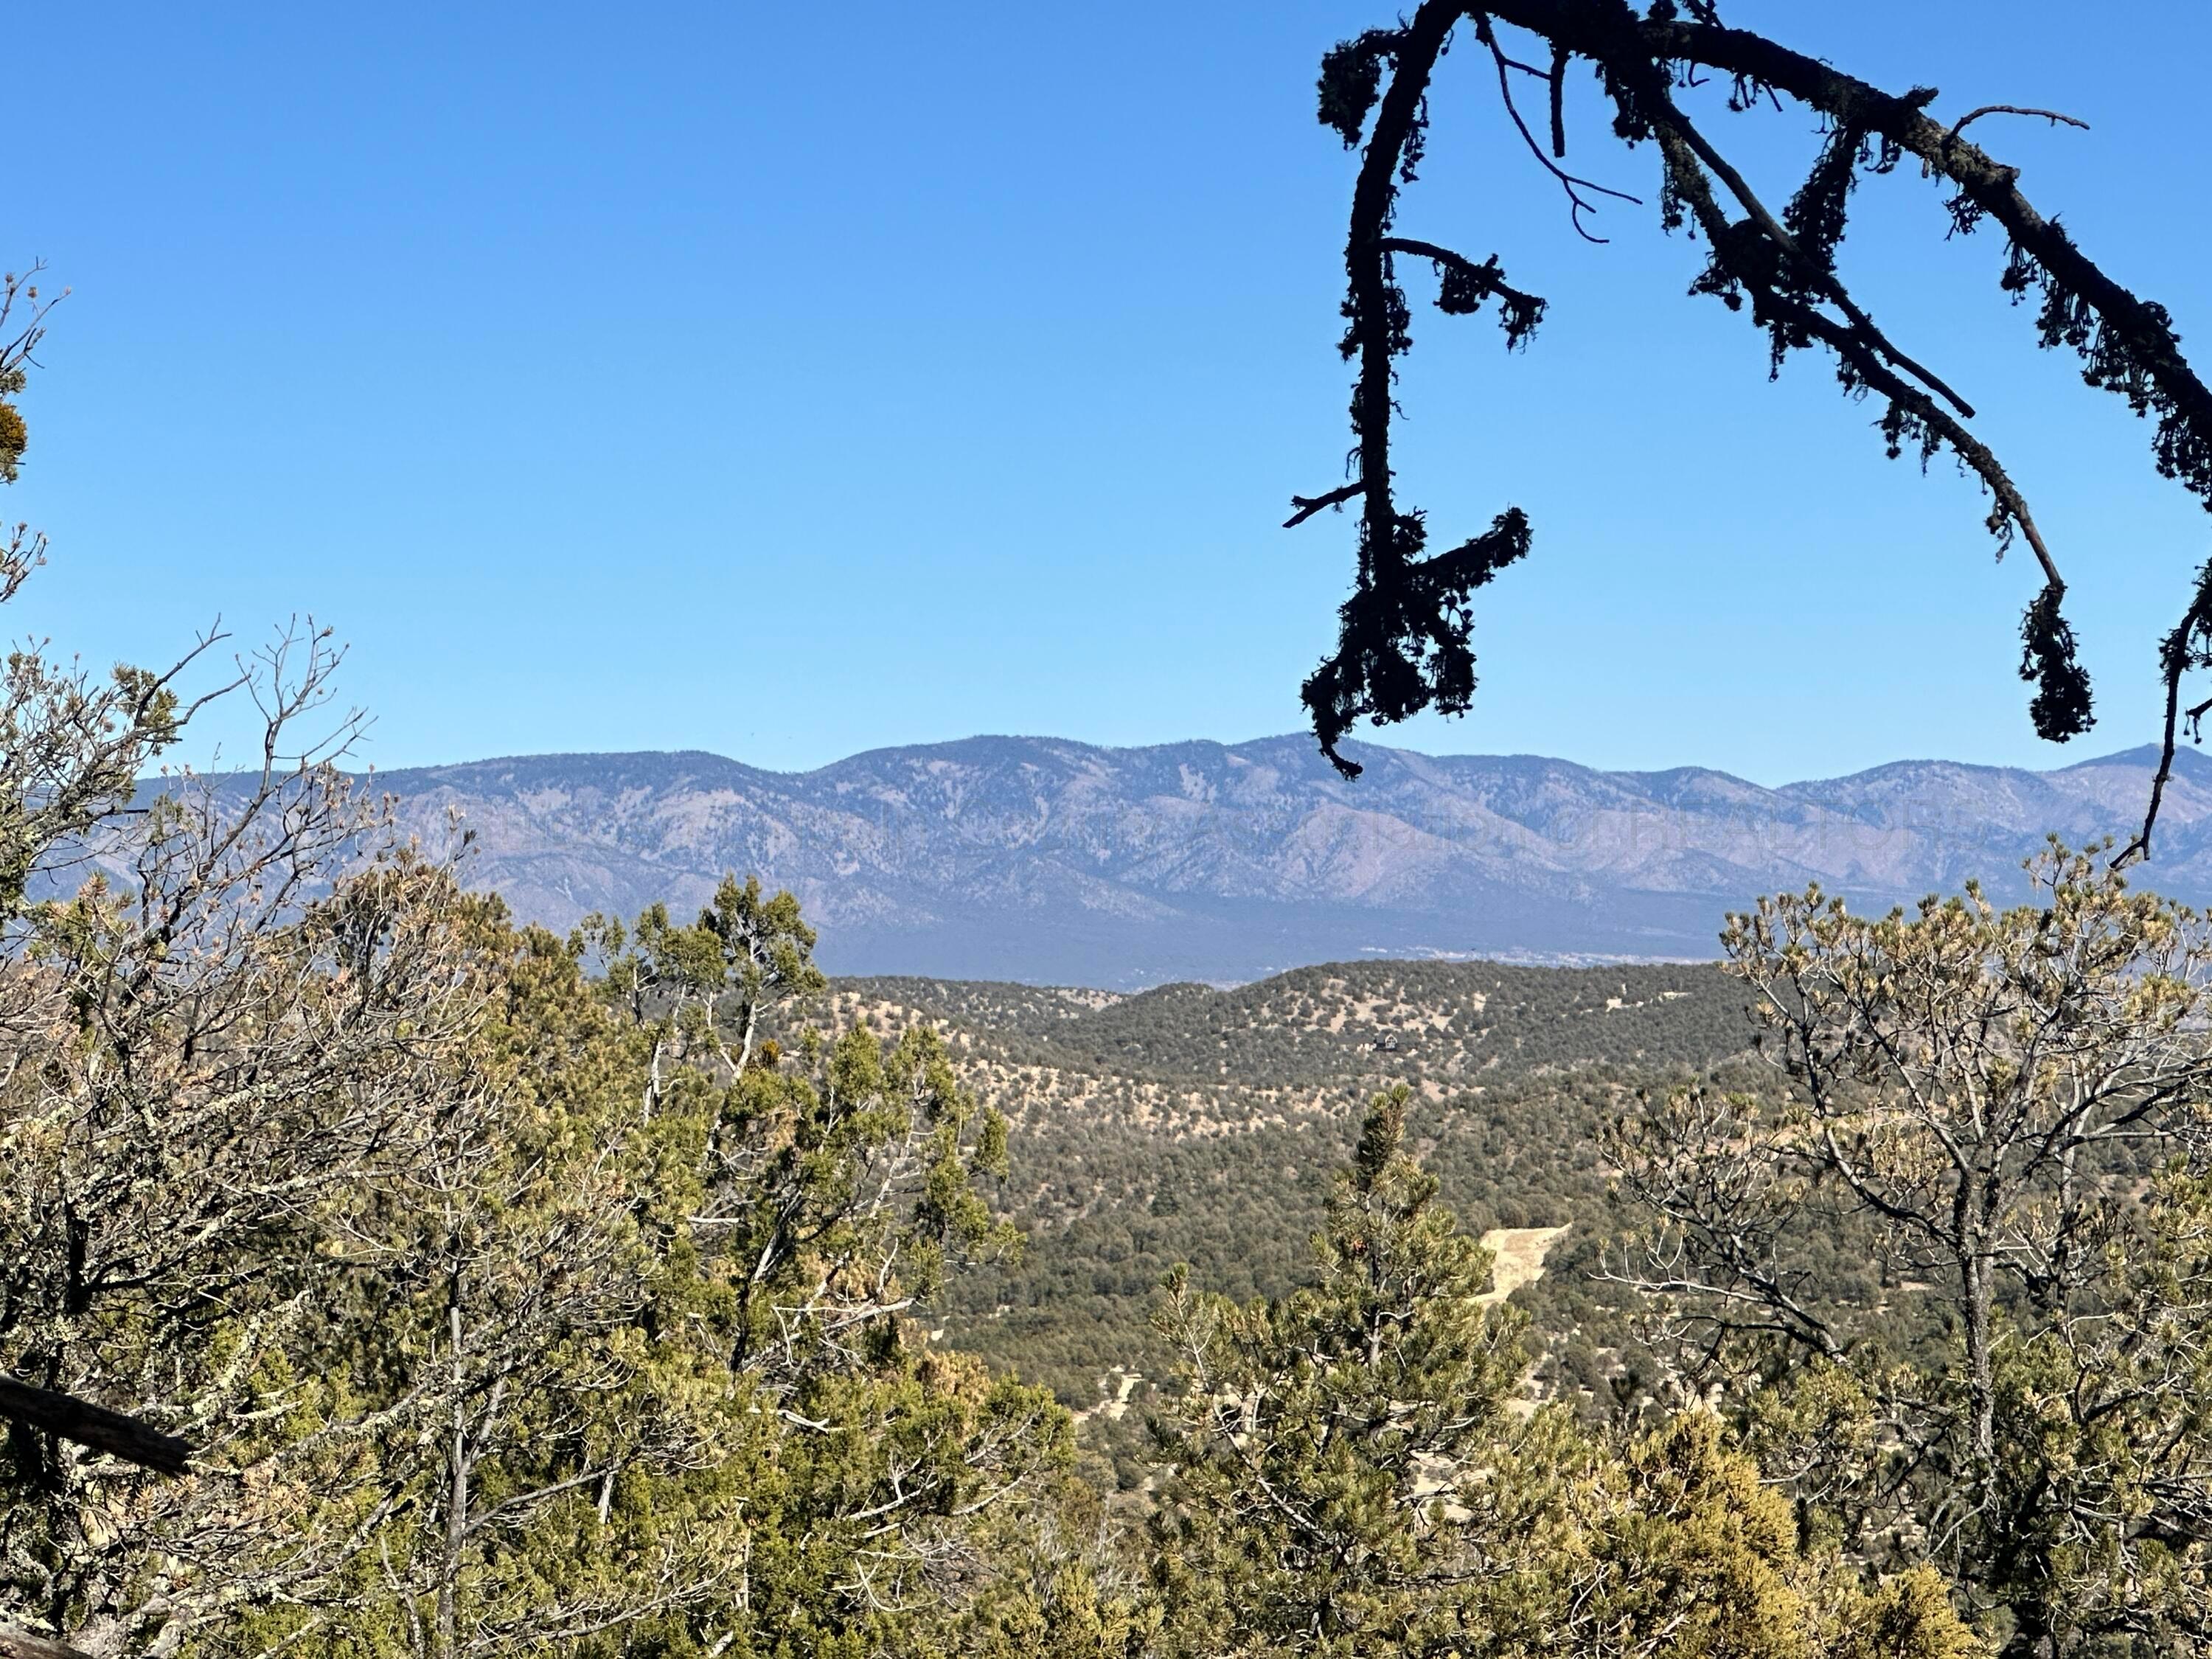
(1045, 860)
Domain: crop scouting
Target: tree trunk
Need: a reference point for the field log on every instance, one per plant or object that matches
(445, 1627)
(1981, 1368)
(2030, 1637)
(1971, 1210)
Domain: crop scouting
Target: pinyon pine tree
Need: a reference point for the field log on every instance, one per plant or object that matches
(1353, 1474)
(2000, 1116)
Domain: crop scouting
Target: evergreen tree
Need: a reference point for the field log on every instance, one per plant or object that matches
(1352, 1475)
(2000, 1114)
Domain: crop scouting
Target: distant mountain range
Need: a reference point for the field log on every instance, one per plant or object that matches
(1056, 862)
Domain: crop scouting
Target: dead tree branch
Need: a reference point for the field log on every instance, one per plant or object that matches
(95, 1426)
(1403, 642)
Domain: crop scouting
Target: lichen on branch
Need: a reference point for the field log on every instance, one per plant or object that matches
(1404, 643)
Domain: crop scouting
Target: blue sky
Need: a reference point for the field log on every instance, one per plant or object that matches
(791, 381)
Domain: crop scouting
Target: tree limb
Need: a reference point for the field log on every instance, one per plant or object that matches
(95, 1426)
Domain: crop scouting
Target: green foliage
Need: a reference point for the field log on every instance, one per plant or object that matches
(1998, 1115)
(22, 324)
(1348, 1478)
(505, 1317)
(1196, 1124)
(586, 1295)
(1315, 1430)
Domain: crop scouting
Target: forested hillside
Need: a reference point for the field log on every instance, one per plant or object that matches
(1190, 1124)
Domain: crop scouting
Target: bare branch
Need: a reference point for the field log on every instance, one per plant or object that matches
(2050, 115)
(95, 1426)
(1307, 506)
(1578, 205)
(1402, 650)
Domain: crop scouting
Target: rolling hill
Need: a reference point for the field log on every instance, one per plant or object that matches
(1194, 1124)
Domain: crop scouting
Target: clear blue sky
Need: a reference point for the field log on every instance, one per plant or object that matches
(788, 381)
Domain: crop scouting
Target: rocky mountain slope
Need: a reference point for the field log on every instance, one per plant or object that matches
(1041, 860)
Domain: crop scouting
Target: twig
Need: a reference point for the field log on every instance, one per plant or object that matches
(2050, 115)
(1560, 102)
(1307, 506)
(2176, 664)
(1569, 182)
(1676, 140)
(1740, 189)
(1486, 278)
